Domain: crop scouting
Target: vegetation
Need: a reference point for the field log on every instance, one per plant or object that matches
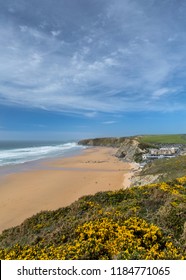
(147, 222)
(163, 139)
(146, 141)
(138, 157)
(167, 168)
(107, 142)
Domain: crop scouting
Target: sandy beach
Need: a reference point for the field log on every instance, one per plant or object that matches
(57, 183)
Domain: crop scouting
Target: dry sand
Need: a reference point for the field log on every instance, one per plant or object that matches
(60, 182)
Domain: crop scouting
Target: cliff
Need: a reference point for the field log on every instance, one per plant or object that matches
(129, 148)
(104, 142)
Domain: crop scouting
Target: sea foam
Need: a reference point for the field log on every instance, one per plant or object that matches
(27, 154)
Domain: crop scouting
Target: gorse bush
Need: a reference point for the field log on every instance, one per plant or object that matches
(105, 239)
(147, 222)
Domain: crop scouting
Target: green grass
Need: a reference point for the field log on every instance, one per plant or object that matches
(164, 139)
(169, 168)
(145, 139)
(108, 141)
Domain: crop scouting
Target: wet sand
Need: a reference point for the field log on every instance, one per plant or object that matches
(57, 183)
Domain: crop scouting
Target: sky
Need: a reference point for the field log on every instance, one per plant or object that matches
(73, 69)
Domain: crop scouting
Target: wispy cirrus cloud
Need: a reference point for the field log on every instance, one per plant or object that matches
(93, 56)
(109, 122)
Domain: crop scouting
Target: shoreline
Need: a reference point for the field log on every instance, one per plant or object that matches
(57, 183)
(34, 164)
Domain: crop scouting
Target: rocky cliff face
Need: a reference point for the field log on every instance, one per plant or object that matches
(142, 180)
(129, 148)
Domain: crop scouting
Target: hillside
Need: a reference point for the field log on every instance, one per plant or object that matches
(143, 139)
(132, 148)
(129, 148)
(161, 170)
(147, 222)
(106, 142)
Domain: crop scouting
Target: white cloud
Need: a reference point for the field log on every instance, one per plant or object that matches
(90, 114)
(23, 28)
(40, 125)
(115, 61)
(55, 33)
(109, 122)
(160, 92)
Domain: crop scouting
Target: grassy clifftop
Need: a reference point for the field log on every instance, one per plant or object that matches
(163, 139)
(107, 141)
(147, 222)
(143, 139)
(129, 148)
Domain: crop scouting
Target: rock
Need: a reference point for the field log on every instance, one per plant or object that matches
(130, 150)
(138, 180)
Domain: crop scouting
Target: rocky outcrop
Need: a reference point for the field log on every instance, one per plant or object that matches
(138, 180)
(130, 150)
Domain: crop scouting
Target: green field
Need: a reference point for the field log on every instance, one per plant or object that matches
(164, 139)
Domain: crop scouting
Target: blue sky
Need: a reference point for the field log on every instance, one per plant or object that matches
(72, 69)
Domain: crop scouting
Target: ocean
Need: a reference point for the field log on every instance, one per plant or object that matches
(15, 153)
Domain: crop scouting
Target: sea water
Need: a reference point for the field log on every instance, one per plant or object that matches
(15, 153)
